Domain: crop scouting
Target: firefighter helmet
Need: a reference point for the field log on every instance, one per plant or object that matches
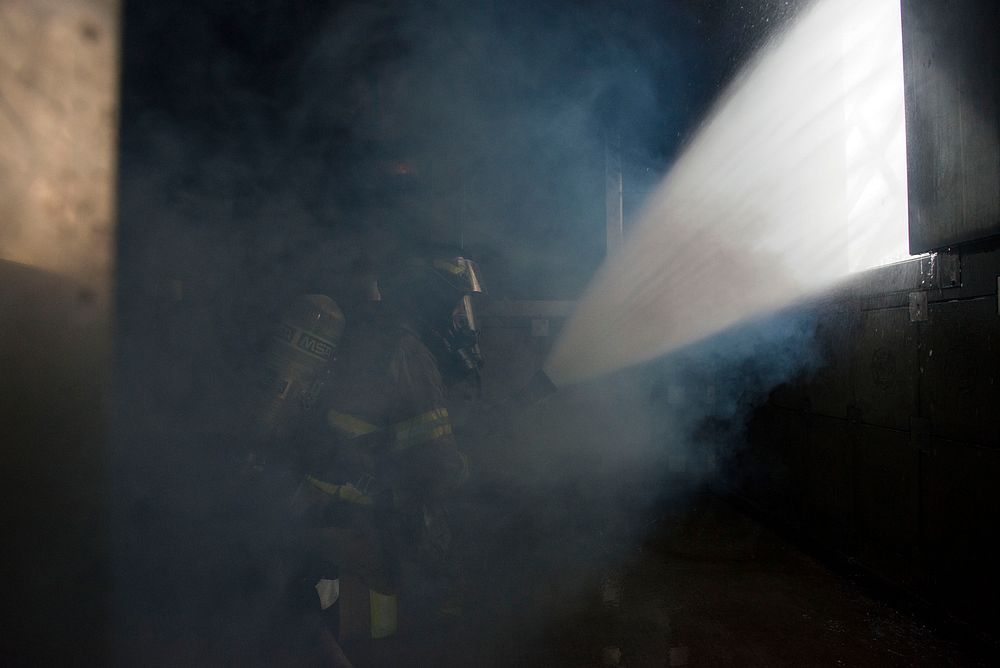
(437, 294)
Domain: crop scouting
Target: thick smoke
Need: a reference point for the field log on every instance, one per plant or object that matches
(269, 152)
(574, 487)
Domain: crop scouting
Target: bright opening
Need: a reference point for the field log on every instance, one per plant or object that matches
(796, 179)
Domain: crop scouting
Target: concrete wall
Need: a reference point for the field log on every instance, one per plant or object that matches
(58, 106)
(58, 123)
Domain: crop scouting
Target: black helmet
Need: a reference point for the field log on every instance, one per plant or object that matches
(437, 295)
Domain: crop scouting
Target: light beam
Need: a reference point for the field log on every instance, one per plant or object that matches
(796, 179)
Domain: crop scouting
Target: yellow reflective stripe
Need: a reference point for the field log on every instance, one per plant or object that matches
(456, 269)
(438, 432)
(416, 437)
(464, 475)
(423, 418)
(350, 425)
(426, 427)
(348, 493)
(383, 614)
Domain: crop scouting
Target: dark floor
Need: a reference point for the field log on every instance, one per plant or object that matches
(709, 587)
(715, 588)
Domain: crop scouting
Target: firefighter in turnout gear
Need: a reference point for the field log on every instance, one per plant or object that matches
(297, 362)
(384, 460)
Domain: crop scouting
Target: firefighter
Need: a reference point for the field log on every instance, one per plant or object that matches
(297, 362)
(379, 473)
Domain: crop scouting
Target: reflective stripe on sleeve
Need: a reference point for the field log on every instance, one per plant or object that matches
(348, 424)
(384, 614)
(421, 429)
(348, 492)
(450, 267)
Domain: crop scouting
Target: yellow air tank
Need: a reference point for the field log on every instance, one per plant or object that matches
(297, 361)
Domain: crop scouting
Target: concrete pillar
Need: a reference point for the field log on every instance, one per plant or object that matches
(58, 113)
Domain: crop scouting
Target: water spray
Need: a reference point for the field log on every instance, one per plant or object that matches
(796, 179)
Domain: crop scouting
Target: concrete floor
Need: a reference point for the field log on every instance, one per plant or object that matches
(718, 589)
(709, 587)
(712, 587)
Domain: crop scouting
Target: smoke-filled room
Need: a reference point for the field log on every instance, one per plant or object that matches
(478, 333)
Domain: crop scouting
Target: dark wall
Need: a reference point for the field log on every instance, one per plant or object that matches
(889, 452)
(285, 133)
(54, 342)
(951, 57)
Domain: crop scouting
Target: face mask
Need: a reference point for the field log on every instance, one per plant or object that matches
(462, 339)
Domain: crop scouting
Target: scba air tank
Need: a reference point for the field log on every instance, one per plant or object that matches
(297, 360)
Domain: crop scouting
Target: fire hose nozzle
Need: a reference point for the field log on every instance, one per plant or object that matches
(538, 388)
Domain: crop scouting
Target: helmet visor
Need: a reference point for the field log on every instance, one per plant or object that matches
(464, 315)
(461, 273)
